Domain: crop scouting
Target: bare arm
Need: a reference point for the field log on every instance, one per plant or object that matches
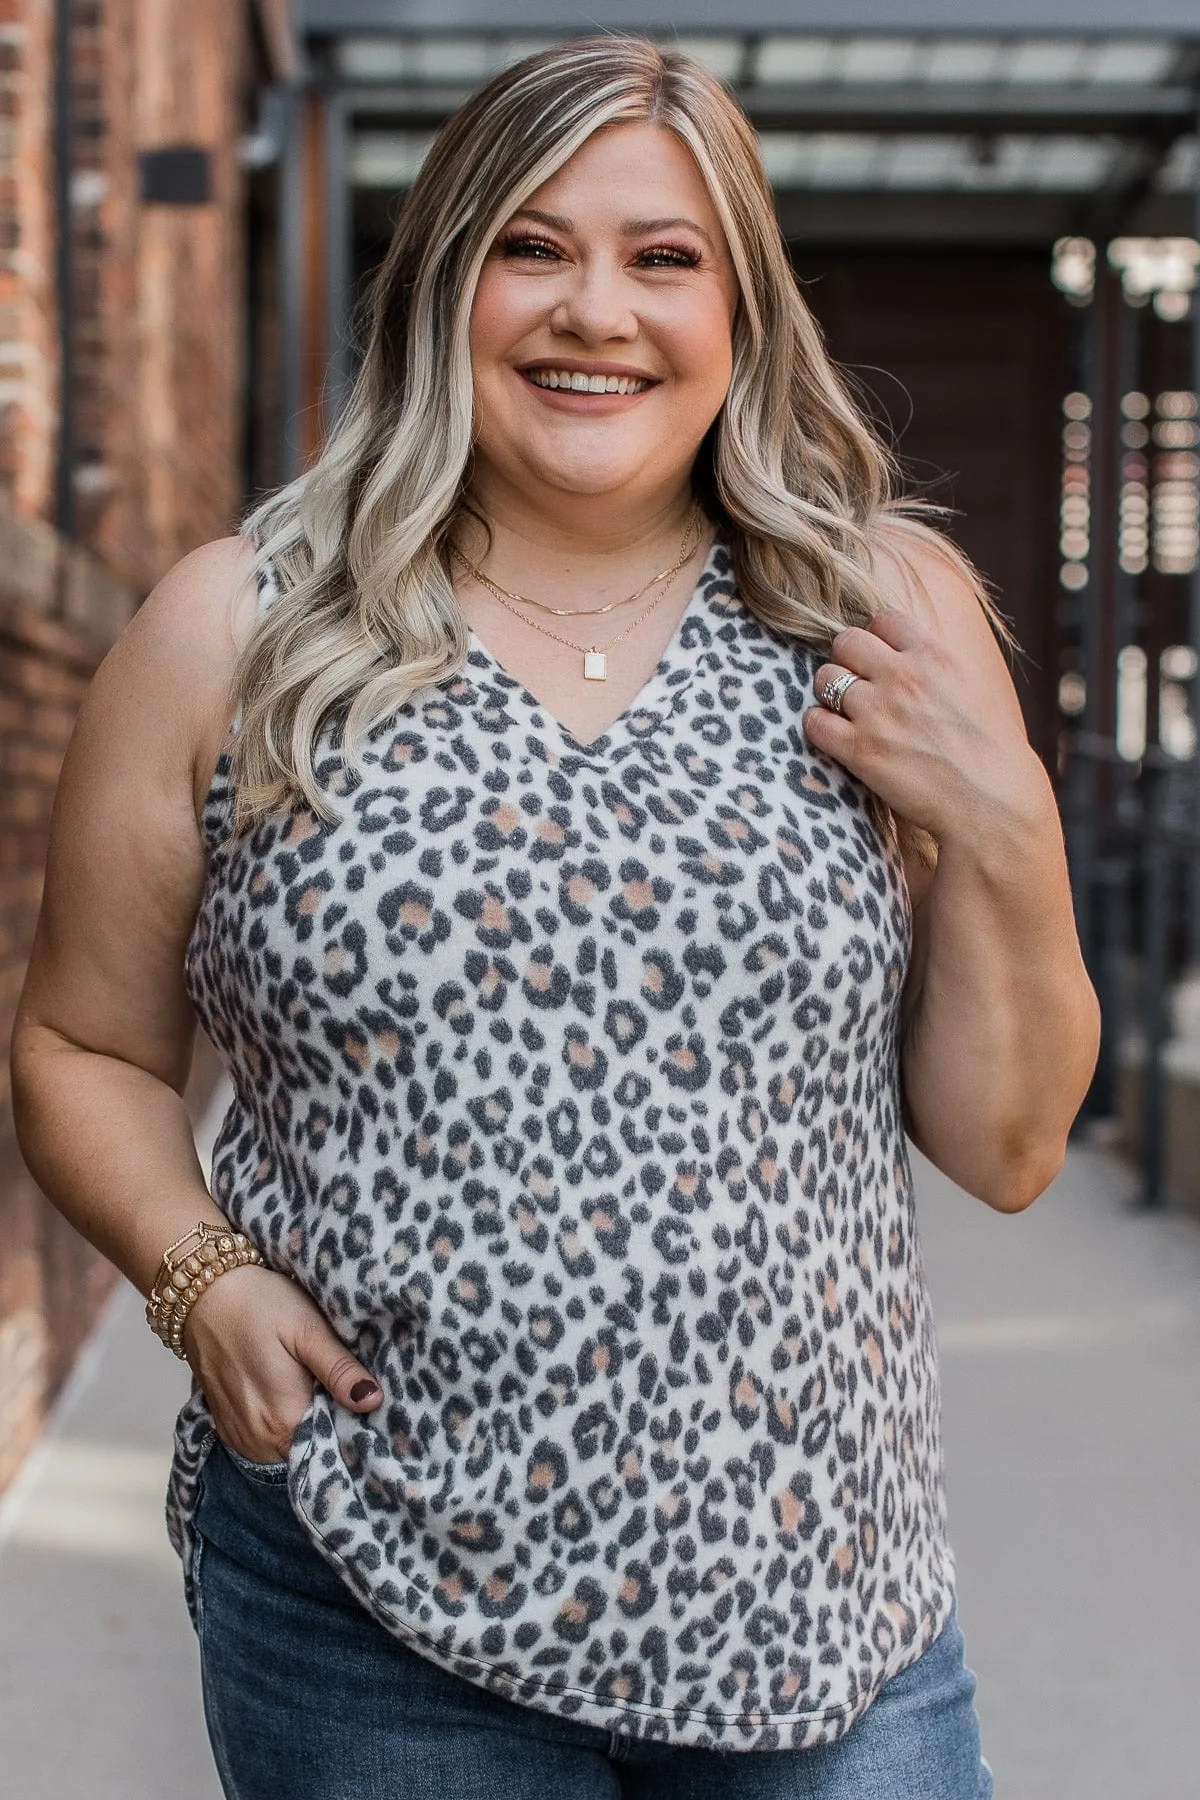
(103, 1039)
(1001, 1026)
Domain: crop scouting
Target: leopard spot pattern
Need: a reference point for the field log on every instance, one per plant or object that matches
(566, 1082)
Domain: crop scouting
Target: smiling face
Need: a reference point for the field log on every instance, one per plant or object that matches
(601, 333)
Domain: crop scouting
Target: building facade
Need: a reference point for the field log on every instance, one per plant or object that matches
(995, 222)
(137, 242)
(994, 212)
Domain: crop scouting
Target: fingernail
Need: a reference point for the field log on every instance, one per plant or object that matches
(363, 1390)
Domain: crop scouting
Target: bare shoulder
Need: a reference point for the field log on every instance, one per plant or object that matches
(197, 614)
(917, 571)
(165, 686)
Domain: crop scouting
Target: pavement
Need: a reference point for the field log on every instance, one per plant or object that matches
(99, 1674)
(1070, 1343)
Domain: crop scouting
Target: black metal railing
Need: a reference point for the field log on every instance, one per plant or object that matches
(1133, 843)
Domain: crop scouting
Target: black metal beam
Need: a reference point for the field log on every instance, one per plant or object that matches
(64, 473)
(893, 18)
(339, 256)
(291, 279)
(927, 107)
(920, 108)
(953, 219)
(1193, 904)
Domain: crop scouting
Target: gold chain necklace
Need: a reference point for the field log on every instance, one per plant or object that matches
(590, 612)
(595, 656)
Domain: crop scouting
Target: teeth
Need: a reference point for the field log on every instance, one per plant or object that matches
(579, 383)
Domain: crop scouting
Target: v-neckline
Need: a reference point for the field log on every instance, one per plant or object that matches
(643, 700)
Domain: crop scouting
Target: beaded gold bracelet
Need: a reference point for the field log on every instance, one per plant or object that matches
(188, 1268)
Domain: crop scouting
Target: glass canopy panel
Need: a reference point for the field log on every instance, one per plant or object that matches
(967, 60)
(386, 159)
(372, 58)
(789, 158)
(879, 59)
(721, 56)
(793, 60)
(802, 60)
(1050, 164)
(922, 162)
(508, 50)
(859, 161)
(845, 160)
(451, 60)
(995, 165)
(439, 61)
(821, 159)
(1071, 164)
(1058, 60)
(1133, 62)
(916, 162)
(1180, 173)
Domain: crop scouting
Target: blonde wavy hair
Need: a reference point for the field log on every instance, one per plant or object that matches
(366, 615)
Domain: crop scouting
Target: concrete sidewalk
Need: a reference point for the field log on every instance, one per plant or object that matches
(99, 1674)
(1070, 1346)
(1070, 1342)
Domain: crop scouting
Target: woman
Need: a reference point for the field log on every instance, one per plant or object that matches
(579, 1421)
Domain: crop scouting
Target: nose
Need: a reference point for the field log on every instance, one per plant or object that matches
(593, 306)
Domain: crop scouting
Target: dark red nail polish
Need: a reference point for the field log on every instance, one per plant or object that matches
(362, 1390)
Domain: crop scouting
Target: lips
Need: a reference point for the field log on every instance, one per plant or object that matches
(578, 381)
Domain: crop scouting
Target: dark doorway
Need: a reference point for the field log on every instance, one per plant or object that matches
(964, 358)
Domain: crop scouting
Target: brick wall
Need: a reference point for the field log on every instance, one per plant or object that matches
(28, 309)
(160, 287)
(157, 378)
(58, 610)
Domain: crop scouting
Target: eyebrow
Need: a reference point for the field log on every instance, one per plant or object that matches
(631, 227)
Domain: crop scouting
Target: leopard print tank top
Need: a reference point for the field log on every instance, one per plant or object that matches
(566, 1082)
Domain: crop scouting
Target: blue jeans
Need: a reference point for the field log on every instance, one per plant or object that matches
(307, 1698)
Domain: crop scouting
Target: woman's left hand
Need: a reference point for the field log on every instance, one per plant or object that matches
(932, 725)
(1000, 1021)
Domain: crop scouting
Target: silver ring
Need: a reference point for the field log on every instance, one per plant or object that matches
(835, 691)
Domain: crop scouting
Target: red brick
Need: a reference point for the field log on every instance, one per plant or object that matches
(162, 413)
(25, 759)
(42, 679)
(52, 726)
(16, 714)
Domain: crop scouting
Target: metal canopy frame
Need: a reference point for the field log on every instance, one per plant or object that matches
(328, 102)
(1146, 117)
(1002, 18)
(868, 107)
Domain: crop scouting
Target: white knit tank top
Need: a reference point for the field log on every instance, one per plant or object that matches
(566, 1082)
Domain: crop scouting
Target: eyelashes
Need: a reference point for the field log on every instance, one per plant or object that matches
(539, 249)
(676, 258)
(519, 243)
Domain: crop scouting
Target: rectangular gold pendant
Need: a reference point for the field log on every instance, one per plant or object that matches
(595, 665)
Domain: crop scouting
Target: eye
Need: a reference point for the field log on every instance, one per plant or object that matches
(538, 249)
(668, 256)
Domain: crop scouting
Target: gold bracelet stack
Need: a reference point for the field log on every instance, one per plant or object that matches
(188, 1268)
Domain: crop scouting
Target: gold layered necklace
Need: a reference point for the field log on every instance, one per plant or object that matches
(595, 656)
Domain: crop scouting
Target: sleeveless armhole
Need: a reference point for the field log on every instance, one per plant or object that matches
(216, 814)
(268, 590)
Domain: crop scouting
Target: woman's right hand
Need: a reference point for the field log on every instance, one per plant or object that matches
(255, 1341)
